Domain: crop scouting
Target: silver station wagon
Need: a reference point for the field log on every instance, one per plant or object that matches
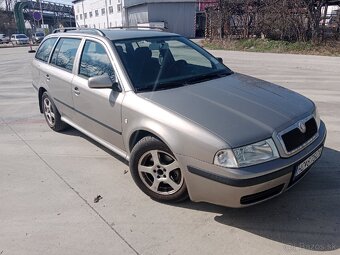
(187, 124)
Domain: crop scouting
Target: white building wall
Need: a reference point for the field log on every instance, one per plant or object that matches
(98, 13)
(179, 15)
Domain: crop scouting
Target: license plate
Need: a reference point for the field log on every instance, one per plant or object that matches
(307, 163)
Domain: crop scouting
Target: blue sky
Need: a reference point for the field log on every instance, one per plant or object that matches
(62, 1)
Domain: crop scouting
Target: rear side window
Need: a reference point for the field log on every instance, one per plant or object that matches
(45, 49)
(95, 61)
(65, 52)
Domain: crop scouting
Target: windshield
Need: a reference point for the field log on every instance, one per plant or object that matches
(21, 36)
(166, 62)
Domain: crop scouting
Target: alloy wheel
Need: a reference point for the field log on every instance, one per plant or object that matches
(48, 111)
(160, 172)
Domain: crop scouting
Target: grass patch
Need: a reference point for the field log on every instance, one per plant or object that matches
(264, 45)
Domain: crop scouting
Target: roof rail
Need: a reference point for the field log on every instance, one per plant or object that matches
(140, 27)
(78, 29)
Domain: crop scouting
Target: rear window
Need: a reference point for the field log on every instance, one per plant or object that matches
(65, 52)
(45, 49)
(39, 34)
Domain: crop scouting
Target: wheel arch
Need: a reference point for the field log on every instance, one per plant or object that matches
(40, 93)
(139, 134)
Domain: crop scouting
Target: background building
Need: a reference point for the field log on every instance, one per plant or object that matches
(98, 13)
(176, 15)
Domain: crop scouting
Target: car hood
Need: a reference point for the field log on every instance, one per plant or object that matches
(239, 109)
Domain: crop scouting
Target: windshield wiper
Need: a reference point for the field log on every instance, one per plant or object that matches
(170, 85)
(207, 77)
(162, 86)
(183, 82)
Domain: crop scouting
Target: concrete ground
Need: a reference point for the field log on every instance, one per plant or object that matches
(48, 181)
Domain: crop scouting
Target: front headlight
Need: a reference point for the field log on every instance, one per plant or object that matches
(247, 155)
(317, 117)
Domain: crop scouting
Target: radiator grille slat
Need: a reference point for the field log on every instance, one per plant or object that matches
(295, 138)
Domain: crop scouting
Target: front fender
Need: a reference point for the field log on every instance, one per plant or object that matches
(180, 134)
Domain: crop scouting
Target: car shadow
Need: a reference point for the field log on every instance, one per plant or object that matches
(307, 216)
(74, 132)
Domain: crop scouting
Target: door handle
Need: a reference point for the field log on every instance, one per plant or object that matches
(76, 91)
(48, 77)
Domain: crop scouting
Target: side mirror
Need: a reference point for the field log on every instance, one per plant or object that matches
(103, 82)
(220, 60)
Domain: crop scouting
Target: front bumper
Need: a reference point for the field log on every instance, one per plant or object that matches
(245, 186)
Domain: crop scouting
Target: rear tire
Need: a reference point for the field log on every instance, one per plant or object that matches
(51, 113)
(156, 171)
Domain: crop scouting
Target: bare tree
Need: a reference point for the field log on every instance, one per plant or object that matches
(290, 20)
(8, 4)
(314, 15)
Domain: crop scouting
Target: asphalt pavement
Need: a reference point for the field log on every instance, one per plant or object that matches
(49, 180)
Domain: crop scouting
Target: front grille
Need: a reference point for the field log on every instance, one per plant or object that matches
(295, 138)
(261, 195)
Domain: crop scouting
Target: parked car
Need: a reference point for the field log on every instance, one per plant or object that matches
(19, 39)
(38, 37)
(187, 124)
(4, 39)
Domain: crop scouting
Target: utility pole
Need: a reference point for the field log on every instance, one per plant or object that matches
(42, 16)
(82, 6)
(107, 14)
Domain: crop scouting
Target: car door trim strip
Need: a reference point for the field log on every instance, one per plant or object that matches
(89, 117)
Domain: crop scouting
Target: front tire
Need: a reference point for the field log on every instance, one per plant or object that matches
(156, 171)
(51, 113)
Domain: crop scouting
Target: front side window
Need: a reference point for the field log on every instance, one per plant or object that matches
(45, 49)
(65, 52)
(95, 61)
(167, 62)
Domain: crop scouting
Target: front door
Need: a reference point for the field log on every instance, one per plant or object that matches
(98, 111)
(59, 75)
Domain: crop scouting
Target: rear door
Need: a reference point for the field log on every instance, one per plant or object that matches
(59, 74)
(97, 110)
(40, 63)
